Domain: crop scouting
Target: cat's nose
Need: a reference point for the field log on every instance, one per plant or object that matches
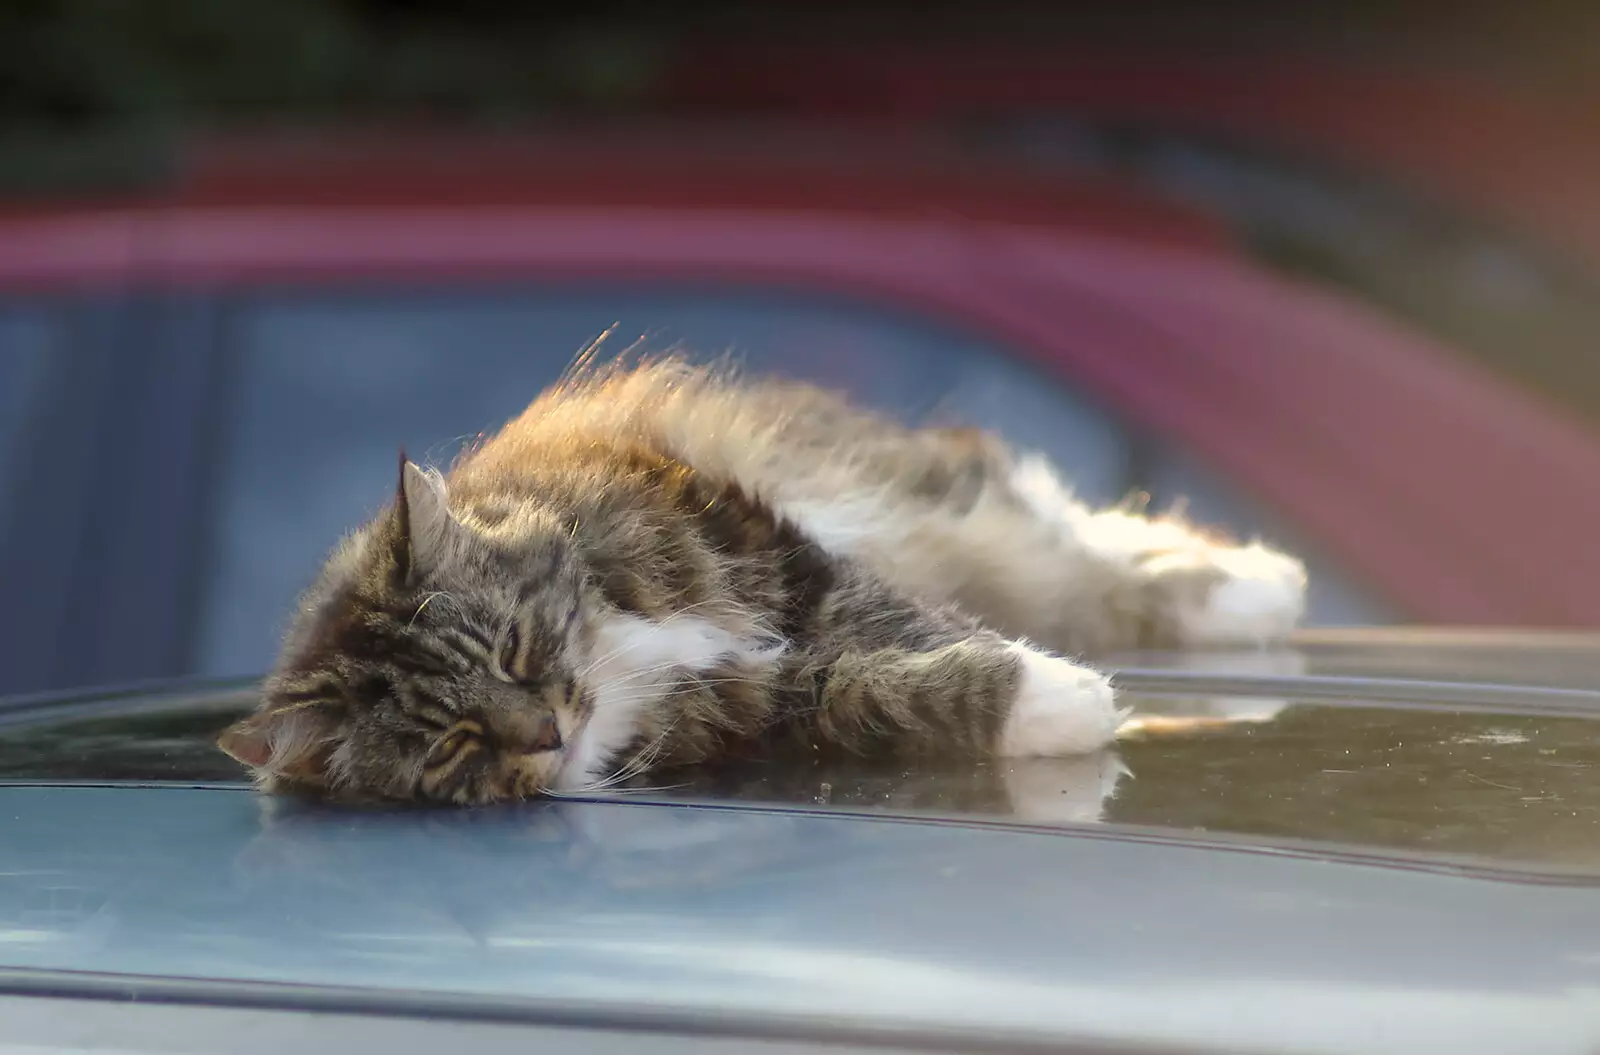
(548, 736)
(532, 735)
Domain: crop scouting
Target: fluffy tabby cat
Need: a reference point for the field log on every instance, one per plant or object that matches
(656, 564)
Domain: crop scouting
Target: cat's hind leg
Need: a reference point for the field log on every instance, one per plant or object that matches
(1186, 588)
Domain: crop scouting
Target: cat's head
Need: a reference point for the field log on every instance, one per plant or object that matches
(438, 658)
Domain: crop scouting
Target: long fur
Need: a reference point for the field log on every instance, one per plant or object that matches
(657, 563)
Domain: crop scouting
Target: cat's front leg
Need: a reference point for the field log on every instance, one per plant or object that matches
(941, 681)
(981, 694)
(1058, 707)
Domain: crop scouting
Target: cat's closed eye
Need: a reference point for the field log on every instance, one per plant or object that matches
(506, 660)
(447, 747)
(433, 719)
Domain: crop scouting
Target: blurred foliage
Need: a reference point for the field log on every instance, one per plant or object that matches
(85, 63)
(78, 63)
(92, 92)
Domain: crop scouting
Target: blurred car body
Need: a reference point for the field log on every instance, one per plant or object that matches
(1513, 142)
(208, 382)
(1453, 190)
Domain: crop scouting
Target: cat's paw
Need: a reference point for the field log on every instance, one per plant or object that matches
(1224, 595)
(1060, 708)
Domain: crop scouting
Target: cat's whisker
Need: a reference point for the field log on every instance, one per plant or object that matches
(425, 602)
(700, 683)
(612, 656)
(603, 785)
(690, 679)
(664, 667)
(621, 773)
(640, 760)
(646, 789)
(670, 666)
(639, 642)
(635, 693)
(637, 764)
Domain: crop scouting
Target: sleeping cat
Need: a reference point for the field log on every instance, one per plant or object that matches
(659, 563)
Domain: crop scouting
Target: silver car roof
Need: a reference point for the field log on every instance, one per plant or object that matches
(869, 926)
(1440, 891)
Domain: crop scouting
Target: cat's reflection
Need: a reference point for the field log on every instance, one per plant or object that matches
(1182, 714)
(477, 875)
(630, 841)
(1068, 790)
(471, 870)
(1062, 790)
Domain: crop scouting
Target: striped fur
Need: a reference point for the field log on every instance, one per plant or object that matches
(657, 564)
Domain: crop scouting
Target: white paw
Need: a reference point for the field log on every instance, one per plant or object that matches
(1060, 709)
(1258, 599)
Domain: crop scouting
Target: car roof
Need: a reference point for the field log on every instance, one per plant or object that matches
(1382, 897)
(1502, 666)
(762, 919)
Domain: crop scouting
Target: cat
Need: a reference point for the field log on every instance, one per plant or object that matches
(659, 563)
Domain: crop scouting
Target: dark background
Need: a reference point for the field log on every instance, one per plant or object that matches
(70, 68)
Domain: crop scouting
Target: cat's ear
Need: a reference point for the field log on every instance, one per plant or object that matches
(422, 521)
(290, 742)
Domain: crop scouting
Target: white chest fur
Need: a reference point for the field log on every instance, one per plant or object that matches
(635, 662)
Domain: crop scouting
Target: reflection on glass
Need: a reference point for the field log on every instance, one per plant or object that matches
(1513, 787)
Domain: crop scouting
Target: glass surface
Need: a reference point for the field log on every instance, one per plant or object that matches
(177, 745)
(1411, 782)
(1519, 788)
(1513, 787)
